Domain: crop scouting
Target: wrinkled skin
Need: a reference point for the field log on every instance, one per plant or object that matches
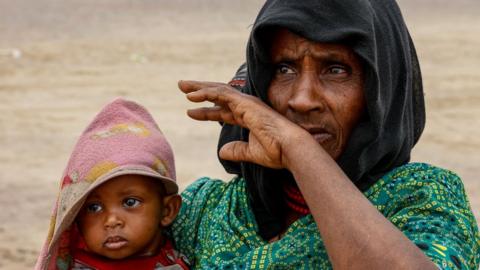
(319, 87)
(316, 105)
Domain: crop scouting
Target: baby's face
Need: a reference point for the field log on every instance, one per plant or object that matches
(123, 217)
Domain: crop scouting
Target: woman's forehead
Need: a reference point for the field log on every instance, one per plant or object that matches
(288, 46)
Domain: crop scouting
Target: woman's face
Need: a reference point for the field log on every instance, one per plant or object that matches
(318, 86)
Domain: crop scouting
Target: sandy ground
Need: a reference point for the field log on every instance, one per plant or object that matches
(60, 61)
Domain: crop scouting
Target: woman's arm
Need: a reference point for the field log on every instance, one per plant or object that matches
(355, 234)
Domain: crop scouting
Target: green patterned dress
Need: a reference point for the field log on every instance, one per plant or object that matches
(216, 229)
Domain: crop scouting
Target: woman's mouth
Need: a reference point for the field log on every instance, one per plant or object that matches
(320, 134)
(115, 242)
(321, 138)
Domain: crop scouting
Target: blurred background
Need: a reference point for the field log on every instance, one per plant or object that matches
(61, 61)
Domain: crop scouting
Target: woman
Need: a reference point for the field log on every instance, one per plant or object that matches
(320, 140)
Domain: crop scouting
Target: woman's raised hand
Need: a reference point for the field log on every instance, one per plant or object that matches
(269, 134)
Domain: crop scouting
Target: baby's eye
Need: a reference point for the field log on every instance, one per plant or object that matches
(94, 207)
(284, 69)
(130, 202)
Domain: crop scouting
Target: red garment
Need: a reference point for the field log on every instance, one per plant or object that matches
(166, 257)
(294, 199)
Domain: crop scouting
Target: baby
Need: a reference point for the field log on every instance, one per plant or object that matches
(117, 195)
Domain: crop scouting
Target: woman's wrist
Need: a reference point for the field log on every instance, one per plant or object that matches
(296, 147)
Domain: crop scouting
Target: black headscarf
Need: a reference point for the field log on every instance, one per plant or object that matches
(395, 114)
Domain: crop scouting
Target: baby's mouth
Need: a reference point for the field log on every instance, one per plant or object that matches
(115, 242)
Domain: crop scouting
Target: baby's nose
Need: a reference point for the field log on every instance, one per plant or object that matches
(113, 220)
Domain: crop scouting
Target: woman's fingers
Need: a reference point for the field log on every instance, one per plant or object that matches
(230, 105)
(219, 95)
(235, 108)
(216, 113)
(235, 151)
(192, 86)
(250, 152)
(211, 94)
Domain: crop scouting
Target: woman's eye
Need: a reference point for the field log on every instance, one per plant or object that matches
(94, 207)
(338, 70)
(131, 202)
(284, 69)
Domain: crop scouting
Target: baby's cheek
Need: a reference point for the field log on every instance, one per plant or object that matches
(90, 232)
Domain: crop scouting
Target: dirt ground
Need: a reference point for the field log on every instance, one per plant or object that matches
(60, 61)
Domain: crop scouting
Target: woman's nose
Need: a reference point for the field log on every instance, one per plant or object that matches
(113, 220)
(307, 95)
